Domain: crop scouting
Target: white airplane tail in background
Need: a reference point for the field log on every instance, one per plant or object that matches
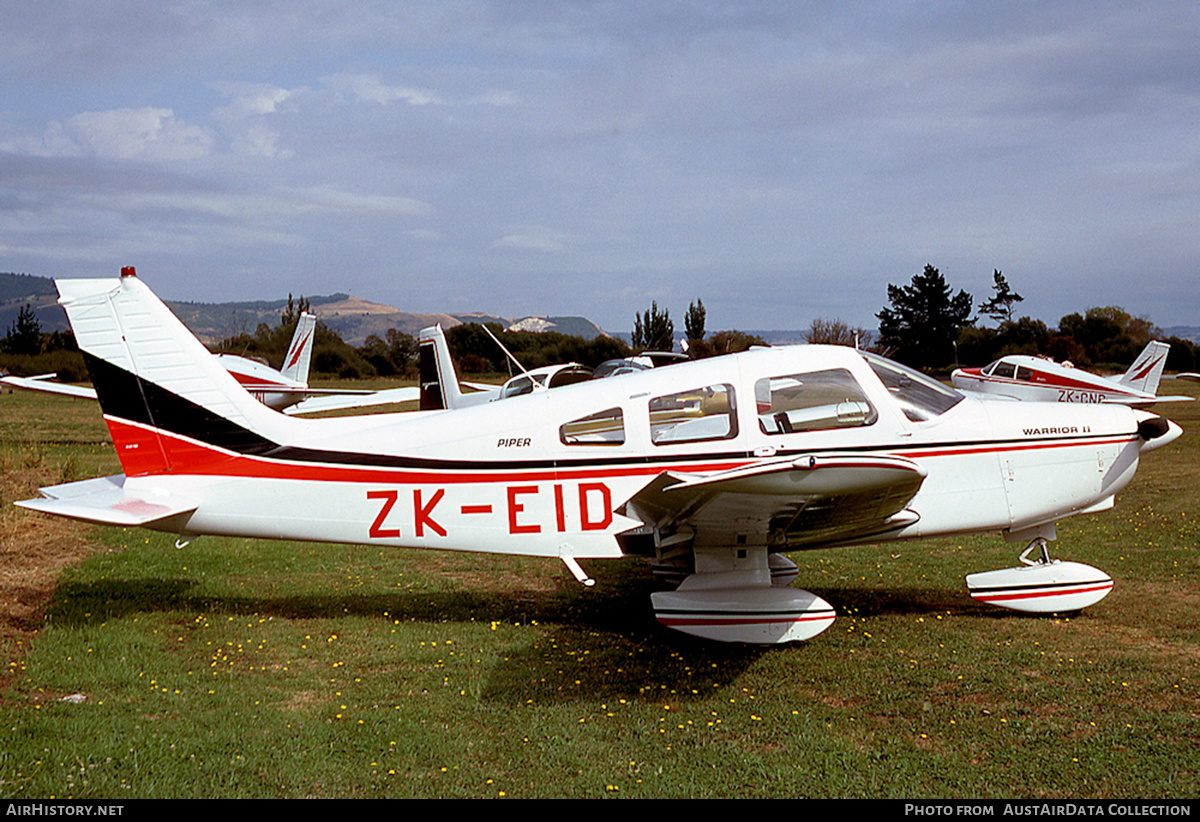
(299, 354)
(1146, 371)
(439, 382)
(440, 388)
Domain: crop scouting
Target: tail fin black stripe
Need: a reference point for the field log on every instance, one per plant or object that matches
(129, 397)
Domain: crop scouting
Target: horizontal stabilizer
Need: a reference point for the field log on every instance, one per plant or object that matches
(1153, 400)
(105, 501)
(44, 385)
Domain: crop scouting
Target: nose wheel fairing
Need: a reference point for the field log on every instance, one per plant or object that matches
(1041, 585)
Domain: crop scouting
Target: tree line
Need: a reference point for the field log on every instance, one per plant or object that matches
(929, 326)
(926, 324)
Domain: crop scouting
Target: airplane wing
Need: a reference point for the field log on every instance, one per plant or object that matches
(338, 402)
(1188, 375)
(42, 383)
(1138, 403)
(104, 500)
(798, 502)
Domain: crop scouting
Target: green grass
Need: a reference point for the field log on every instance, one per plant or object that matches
(239, 668)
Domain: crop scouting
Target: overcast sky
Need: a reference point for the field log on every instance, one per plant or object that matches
(780, 161)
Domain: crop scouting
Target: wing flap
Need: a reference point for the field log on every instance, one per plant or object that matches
(105, 501)
(796, 502)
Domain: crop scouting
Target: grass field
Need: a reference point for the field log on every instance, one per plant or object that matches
(239, 668)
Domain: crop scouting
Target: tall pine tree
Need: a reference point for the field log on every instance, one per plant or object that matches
(922, 324)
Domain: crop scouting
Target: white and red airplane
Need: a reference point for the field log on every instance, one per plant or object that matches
(289, 385)
(1024, 377)
(709, 470)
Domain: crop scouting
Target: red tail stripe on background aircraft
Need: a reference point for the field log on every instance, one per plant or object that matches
(709, 470)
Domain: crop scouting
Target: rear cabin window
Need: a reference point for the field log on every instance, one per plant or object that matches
(813, 401)
(602, 428)
(707, 413)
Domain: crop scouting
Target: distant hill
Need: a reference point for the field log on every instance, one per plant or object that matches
(215, 321)
(1191, 333)
(17, 290)
(352, 317)
(355, 319)
(772, 337)
(25, 287)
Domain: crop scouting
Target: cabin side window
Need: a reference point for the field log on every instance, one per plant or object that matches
(814, 401)
(1004, 369)
(707, 413)
(602, 428)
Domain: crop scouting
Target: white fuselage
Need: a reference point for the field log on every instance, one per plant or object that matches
(265, 384)
(519, 477)
(1039, 380)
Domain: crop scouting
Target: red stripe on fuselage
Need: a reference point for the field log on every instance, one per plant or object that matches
(188, 456)
(1057, 381)
(257, 383)
(140, 449)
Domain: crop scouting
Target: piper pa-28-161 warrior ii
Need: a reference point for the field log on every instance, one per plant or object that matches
(1024, 377)
(708, 469)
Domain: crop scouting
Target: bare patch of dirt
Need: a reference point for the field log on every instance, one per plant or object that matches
(34, 549)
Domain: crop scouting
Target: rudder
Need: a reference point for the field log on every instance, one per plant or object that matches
(1146, 371)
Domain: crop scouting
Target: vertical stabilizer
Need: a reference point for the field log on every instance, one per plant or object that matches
(299, 355)
(439, 382)
(1147, 369)
(152, 376)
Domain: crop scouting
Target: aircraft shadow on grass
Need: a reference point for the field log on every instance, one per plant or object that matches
(600, 644)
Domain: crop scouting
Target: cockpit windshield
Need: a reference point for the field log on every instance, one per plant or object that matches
(920, 397)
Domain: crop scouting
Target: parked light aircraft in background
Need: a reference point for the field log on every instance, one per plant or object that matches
(285, 390)
(1023, 377)
(440, 388)
(709, 470)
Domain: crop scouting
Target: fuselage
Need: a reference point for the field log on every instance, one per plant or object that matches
(265, 384)
(543, 474)
(1034, 378)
